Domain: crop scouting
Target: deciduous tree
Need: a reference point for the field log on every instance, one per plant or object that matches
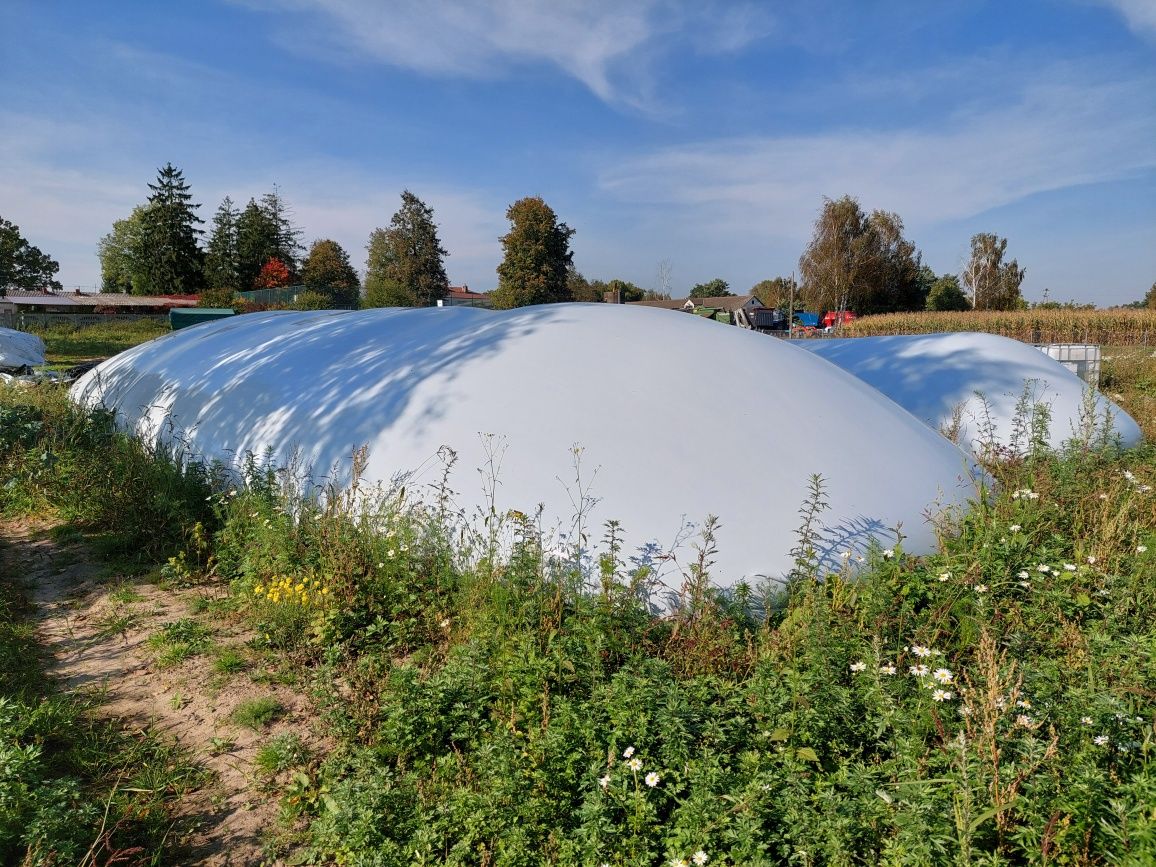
(122, 254)
(716, 288)
(406, 263)
(860, 262)
(946, 294)
(22, 265)
(327, 271)
(274, 274)
(581, 289)
(992, 283)
(894, 278)
(777, 292)
(537, 256)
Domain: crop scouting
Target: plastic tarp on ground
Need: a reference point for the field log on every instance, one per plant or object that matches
(20, 349)
(677, 419)
(940, 378)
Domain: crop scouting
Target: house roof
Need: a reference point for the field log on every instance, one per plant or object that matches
(662, 304)
(36, 298)
(465, 293)
(729, 303)
(23, 298)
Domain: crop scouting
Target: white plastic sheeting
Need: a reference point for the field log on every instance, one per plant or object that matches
(20, 349)
(678, 418)
(940, 378)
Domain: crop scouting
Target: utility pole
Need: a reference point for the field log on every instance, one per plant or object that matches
(791, 310)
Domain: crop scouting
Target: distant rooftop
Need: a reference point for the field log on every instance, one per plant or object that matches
(27, 298)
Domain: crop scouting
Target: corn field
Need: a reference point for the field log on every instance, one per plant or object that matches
(1104, 327)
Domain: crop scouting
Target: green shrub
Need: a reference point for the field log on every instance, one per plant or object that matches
(256, 713)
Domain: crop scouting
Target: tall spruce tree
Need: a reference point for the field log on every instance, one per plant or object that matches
(171, 262)
(222, 262)
(256, 243)
(287, 235)
(265, 231)
(406, 262)
(537, 257)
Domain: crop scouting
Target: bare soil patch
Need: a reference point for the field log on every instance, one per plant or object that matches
(96, 629)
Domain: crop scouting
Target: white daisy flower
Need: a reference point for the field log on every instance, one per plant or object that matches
(635, 765)
(942, 695)
(652, 779)
(628, 752)
(858, 666)
(700, 857)
(919, 670)
(943, 675)
(1100, 740)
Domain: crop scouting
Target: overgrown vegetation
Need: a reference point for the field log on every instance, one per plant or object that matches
(68, 345)
(990, 704)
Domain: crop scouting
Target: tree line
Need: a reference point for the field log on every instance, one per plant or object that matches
(157, 250)
(854, 261)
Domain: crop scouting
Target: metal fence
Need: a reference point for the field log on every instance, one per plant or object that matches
(282, 296)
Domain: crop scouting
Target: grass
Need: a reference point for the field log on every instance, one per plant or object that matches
(182, 639)
(281, 753)
(125, 594)
(229, 660)
(256, 713)
(114, 624)
(67, 346)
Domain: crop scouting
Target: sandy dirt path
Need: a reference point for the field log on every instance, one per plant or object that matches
(96, 629)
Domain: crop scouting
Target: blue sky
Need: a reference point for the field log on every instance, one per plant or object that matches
(701, 134)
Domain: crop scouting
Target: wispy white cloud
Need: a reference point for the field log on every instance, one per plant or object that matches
(607, 45)
(1051, 136)
(1140, 14)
